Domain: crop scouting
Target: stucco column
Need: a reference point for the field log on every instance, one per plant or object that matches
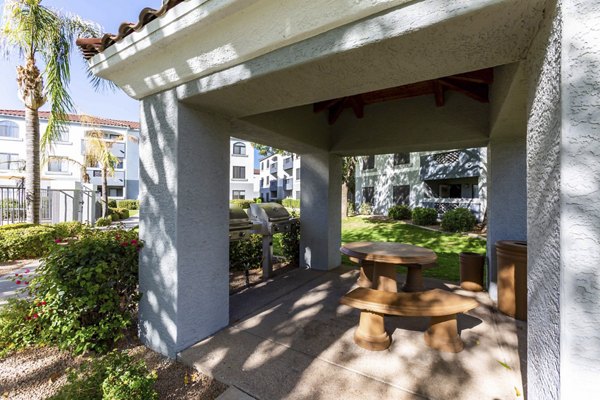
(184, 162)
(506, 198)
(320, 194)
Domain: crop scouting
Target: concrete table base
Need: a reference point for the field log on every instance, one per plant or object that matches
(414, 278)
(443, 335)
(371, 334)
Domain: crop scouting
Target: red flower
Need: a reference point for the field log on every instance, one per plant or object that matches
(124, 244)
(57, 240)
(26, 283)
(26, 271)
(43, 303)
(16, 274)
(133, 242)
(27, 318)
(18, 282)
(35, 315)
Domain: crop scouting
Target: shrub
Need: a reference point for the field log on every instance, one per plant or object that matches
(104, 221)
(424, 216)
(399, 212)
(458, 220)
(115, 376)
(245, 254)
(70, 229)
(128, 204)
(89, 290)
(18, 326)
(112, 203)
(291, 203)
(27, 241)
(366, 209)
(118, 213)
(290, 242)
(20, 225)
(245, 204)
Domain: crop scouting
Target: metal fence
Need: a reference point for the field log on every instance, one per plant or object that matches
(56, 205)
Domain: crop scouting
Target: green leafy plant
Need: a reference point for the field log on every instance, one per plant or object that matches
(399, 212)
(128, 204)
(458, 220)
(366, 209)
(424, 216)
(20, 325)
(291, 203)
(244, 203)
(245, 254)
(112, 203)
(290, 242)
(70, 229)
(116, 376)
(104, 221)
(118, 213)
(26, 241)
(88, 290)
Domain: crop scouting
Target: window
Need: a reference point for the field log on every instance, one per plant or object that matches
(120, 163)
(97, 174)
(267, 163)
(238, 194)
(9, 129)
(115, 192)
(239, 172)
(239, 148)
(58, 165)
(401, 158)
(297, 174)
(368, 163)
(401, 194)
(368, 194)
(63, 135)
(9, 161)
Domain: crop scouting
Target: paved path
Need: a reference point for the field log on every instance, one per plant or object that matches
(8, 288)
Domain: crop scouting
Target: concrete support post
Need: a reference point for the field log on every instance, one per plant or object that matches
(320, 229)
(506, 198)
(184, 163)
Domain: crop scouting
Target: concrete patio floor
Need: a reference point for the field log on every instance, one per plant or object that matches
(291, 339)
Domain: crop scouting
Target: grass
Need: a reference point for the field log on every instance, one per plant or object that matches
(447, 246)
(133, 212)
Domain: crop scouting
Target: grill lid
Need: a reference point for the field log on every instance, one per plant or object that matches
(271, 212)
(238, 217)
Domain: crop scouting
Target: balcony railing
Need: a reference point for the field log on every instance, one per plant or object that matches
(273, 168)
(289, 184)
(451, 165)
(288, 163)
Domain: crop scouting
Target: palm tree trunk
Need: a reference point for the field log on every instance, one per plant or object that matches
(32, 165)
(104, 192)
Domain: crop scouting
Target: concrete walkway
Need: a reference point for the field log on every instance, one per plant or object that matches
(291, 339)
(8, 288)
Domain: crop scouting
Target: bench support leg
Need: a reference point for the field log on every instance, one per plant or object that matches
(371, 334)
(443, 335)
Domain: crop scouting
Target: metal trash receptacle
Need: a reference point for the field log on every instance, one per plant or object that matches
(511, 257)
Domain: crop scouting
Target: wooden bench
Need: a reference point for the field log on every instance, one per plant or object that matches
(442, 306)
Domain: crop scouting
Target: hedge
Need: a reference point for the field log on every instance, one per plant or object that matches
(291, 203)
(424, 216)
(244, 203)
(458, 220)
(129, 204)
(399, 212)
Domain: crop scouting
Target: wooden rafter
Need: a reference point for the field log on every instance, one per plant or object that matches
(473, 84)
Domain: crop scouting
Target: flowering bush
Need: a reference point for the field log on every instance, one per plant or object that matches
(83, 297)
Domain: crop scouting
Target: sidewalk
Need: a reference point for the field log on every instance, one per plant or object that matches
(8, 288)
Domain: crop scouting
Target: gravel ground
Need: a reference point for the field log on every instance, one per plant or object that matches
(38, 373)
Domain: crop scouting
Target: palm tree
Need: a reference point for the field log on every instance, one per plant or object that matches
(98, 153)
(34, 31)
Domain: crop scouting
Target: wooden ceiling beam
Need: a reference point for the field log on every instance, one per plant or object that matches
(357, 105)
(485, 76)
(475, 91)
(336, 110)
(438, 90)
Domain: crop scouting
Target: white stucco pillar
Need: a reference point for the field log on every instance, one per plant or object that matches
(320, 193)
(564, 204)
(184, 163)
(506, 198)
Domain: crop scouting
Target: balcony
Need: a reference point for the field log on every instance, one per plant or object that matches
(273, 168)
(451, 165)
(273, 186)
(288, 163)
(118, 179)
(289, 184)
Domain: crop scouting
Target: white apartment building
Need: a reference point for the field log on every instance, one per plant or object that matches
(58, 172)
(279, 177)
(242, 177)
(441, 180)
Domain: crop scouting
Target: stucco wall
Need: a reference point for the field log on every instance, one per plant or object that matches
(543, 214)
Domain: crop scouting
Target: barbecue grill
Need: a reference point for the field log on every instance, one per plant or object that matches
(273, 218)
(240, 225)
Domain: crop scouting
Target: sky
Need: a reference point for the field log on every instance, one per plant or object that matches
(109, 14)
(107, 104)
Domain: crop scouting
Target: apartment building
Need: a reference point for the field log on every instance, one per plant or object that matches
(61, 173)
(441, 180)
(279, 177)
(242, 175)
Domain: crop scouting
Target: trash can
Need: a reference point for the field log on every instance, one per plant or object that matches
(511, 256)
(471, 271)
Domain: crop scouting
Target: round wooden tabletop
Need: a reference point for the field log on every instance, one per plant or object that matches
(389, 252)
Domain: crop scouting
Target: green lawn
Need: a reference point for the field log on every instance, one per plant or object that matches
(133, 212)
(446, 245)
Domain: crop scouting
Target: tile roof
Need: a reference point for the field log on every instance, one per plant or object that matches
(92, 46)
(78, 118)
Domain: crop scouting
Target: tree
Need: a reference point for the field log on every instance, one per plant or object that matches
(33, 31)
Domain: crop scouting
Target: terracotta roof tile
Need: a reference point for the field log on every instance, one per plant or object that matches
(92, 46)
(78, 118)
